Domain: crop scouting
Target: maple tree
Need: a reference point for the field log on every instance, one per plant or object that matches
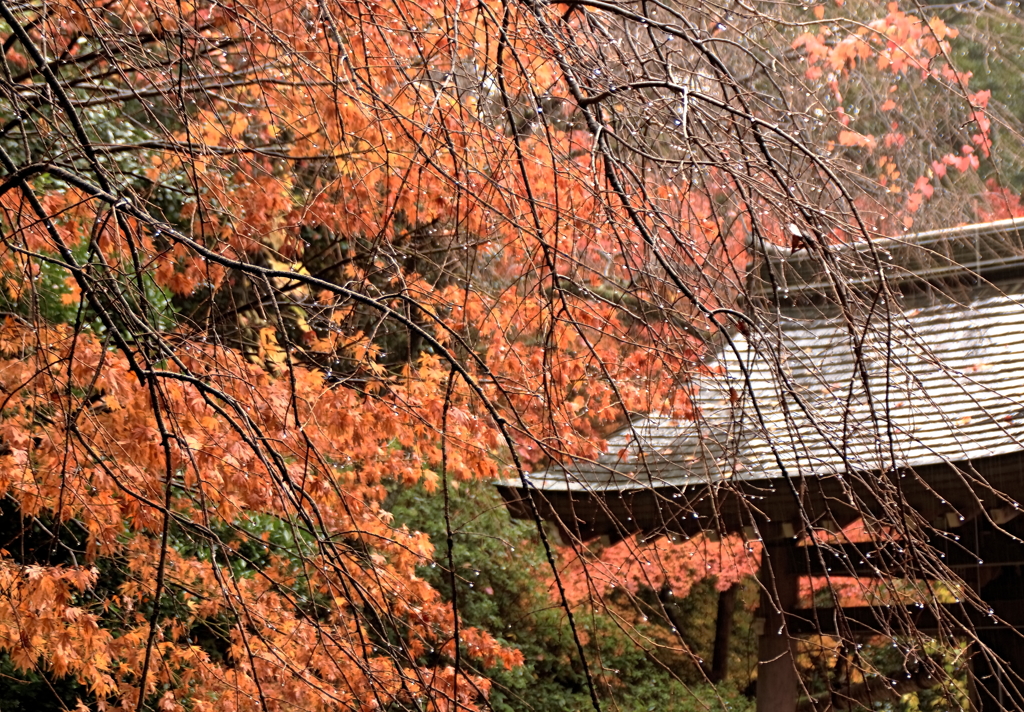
(264, 262)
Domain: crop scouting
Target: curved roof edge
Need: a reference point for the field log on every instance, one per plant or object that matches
(991, 250)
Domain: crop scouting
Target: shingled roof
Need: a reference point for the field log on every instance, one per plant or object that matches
(919, 389)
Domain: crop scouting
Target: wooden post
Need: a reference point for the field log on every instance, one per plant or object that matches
(723, 634)
(777, 683)
(998, 686)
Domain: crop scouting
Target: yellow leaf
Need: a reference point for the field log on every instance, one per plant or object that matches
(939, 28)
(269, 349)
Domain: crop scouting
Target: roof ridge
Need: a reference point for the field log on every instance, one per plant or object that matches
(989, 251)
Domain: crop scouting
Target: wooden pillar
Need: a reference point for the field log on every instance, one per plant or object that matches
(723, 634)
(998, 684)
(777, 683)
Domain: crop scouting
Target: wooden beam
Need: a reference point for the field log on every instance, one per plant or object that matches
(892, 559)
(861, 560)
(935, 491)
(871, 620)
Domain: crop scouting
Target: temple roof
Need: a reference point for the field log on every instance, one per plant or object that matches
(927, 374)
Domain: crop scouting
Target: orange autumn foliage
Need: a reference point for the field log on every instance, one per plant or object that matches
(915, 51)
(661, 564)
(224, 439)
(216, 477)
